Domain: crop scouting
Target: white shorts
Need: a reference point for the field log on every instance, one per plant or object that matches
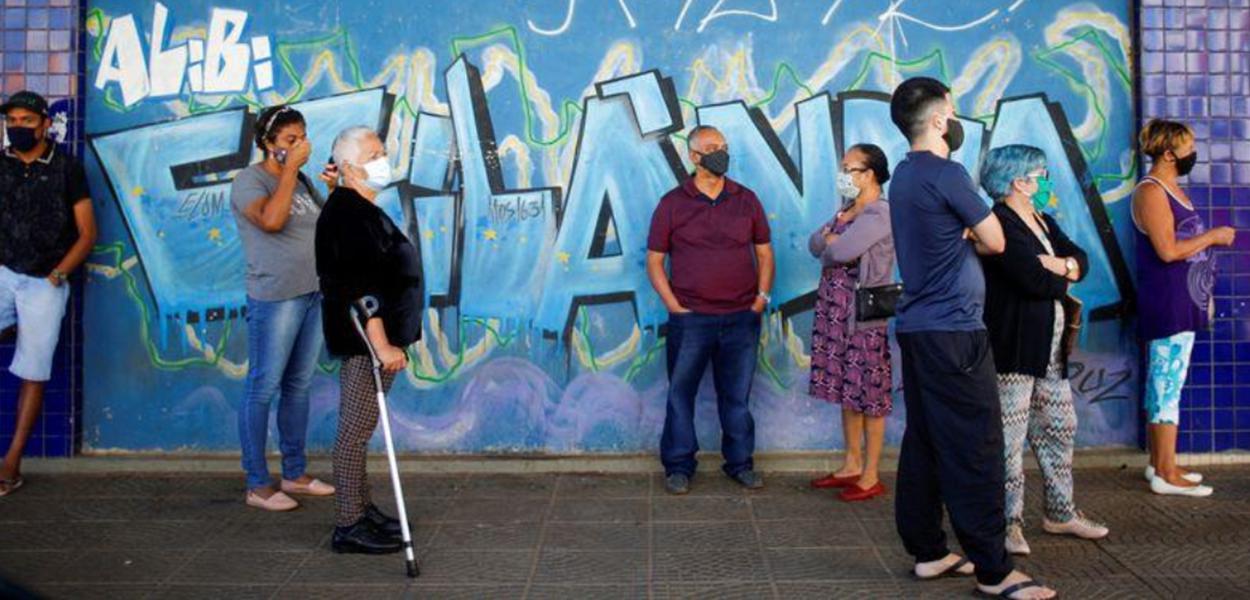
(37, 307)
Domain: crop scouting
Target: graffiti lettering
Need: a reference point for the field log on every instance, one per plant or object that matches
(201, 205)
(528, 161)
(222, 67)
(1101, 383)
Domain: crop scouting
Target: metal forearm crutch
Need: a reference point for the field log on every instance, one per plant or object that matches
(362, 310)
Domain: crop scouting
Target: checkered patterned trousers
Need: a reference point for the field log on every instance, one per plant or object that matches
(1040, 409)
(358, 418)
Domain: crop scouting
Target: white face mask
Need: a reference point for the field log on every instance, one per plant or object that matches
(377, 173)
(846, 186)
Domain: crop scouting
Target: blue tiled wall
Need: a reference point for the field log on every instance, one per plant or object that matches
(41, 50)
(1195, 67)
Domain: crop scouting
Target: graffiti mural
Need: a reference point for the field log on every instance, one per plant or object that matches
(530, 142)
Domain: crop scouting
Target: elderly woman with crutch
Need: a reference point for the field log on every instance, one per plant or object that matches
(370, 280)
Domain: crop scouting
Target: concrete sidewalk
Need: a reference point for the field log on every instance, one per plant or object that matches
(151, 535)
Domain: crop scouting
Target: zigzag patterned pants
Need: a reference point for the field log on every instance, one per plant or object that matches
(1041, 410)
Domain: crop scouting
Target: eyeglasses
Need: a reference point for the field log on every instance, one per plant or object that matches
(855, 170)
(1042, 175)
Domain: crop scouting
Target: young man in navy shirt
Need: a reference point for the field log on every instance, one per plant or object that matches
(952, 452)
(714, 232)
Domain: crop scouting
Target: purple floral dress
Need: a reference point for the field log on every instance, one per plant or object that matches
(849, 368)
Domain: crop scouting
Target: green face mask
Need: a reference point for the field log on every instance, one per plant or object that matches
(1041, 199)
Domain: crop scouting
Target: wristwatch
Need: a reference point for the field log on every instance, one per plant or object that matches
(1071, 265)
(766, 297)
(59, 275)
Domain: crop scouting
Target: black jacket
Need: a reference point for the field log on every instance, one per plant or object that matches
(360, 252)
(1020, 295)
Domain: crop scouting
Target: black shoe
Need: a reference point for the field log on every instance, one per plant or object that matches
(749, 479)
(363, 538)
(677, 484)
(384, 522)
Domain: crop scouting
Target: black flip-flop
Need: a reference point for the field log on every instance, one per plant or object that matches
(952, 571)
(1007, 592)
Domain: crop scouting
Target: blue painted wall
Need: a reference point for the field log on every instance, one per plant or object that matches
(514, 128)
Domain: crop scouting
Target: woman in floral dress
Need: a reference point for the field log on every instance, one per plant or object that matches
(850, 359)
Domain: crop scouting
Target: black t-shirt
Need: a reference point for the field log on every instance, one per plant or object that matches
(37, 201)
(360, 252)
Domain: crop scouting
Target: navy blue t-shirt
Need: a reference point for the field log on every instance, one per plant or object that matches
(932, 201)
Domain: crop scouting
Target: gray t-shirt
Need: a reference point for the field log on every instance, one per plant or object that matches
(280, 265)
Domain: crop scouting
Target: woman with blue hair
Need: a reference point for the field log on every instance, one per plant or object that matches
(1025, 289)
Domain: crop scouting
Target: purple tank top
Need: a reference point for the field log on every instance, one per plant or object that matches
(1173, 297)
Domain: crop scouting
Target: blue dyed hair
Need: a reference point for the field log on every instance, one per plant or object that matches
(1006, 164)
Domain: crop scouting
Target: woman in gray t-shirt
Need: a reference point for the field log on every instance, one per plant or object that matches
(276, 211)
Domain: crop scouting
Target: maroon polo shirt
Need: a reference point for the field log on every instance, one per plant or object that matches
(710, 245)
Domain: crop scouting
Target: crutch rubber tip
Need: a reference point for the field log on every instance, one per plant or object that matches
(413, 572)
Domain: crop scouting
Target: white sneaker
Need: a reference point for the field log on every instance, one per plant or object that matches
(1191, 476)
(1015, 541)
(1079, 526)
(1163, 488)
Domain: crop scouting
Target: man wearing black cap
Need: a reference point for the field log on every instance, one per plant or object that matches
(46, 231)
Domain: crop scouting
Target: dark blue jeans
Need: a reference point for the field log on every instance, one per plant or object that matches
(729, 343)
(284, 340)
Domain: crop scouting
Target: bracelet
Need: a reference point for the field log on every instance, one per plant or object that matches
(765, 296)
(59, 275)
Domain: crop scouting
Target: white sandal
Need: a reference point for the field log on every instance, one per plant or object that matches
(8, 486)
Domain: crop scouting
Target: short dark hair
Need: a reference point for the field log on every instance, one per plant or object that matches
(912, 101)
(877, 162)
(272, 120)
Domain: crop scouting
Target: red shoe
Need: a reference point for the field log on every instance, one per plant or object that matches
(833, 481)
(854, 493)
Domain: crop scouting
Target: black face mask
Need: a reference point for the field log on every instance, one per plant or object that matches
(1185, 165)
(717, 163)
(23, 139)
(954, 135)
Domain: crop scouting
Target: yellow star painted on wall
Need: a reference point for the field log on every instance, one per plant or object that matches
(214, 234)
(490, 234)
(563, 257)
(429, 234)
(137, 191)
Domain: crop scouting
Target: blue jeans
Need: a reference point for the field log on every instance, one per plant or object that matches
(284, 340)
(730, 343)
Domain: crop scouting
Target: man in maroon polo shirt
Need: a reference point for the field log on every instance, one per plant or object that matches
(715, 234)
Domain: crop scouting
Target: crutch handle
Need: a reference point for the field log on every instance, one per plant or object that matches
(364, 308)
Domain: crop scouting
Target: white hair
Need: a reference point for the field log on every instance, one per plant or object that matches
(347, 144)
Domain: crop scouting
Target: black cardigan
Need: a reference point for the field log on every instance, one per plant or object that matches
(360, 252)
(1020, 295)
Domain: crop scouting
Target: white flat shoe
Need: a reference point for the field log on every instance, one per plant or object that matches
(1191, 476)
(278, 502)
(1163, 488)
(315, 487)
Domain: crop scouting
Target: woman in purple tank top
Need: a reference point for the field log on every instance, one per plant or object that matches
(1176, 271)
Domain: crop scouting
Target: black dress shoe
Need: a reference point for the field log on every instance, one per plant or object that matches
(384, 522)
(363, 538)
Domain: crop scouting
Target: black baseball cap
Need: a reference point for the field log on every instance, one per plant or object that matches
(27, 100)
